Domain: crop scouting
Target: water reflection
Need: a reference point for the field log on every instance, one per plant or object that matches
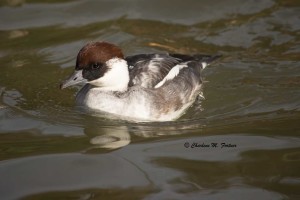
(119, 133)
(110, 138)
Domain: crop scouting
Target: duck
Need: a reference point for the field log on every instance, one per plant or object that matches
(142, 87)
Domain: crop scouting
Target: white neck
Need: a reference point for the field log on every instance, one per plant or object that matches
(116, 78)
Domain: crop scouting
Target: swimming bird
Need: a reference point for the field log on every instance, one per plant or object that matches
(143, 87)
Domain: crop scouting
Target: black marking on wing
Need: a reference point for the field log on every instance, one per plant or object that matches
(196, 57)
(149, 69)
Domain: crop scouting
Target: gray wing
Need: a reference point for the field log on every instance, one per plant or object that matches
(149, 69)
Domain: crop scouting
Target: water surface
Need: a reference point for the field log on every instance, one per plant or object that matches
(51, 150)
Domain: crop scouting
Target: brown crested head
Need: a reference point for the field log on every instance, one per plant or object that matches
(97, 53)
(94, 61)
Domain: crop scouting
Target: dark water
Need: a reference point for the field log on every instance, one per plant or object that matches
(50, 150)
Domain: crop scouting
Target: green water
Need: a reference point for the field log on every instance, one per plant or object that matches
(50, 150)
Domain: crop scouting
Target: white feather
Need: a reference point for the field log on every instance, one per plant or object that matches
(204, 64)
(172, 74)
(116, 78)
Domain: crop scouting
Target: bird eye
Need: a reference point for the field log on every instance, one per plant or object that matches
(95, 66)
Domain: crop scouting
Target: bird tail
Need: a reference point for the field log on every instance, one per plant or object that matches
(206, 59)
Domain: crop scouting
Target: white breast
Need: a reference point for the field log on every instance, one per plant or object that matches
(132, 106)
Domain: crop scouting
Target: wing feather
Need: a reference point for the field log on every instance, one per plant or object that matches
(149, 69)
